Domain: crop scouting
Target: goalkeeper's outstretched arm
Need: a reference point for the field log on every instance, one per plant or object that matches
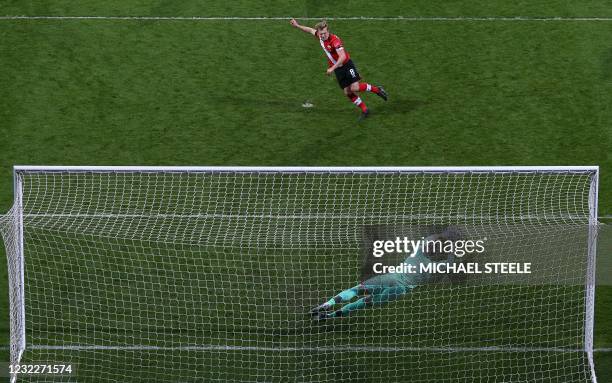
(373, 295)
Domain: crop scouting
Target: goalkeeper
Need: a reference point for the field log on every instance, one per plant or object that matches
(387, 287)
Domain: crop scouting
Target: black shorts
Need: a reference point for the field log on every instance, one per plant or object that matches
(347, 74)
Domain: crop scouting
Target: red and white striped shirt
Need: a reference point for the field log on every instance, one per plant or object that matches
(331, 46)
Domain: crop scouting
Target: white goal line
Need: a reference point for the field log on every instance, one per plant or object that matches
(212, 347)
(265, 18)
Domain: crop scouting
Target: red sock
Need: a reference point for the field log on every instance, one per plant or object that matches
(357, 101)
(365, 87)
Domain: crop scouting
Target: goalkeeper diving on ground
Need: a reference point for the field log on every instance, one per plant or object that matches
(385, 288)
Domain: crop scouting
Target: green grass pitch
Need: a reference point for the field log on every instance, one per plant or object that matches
(229, 92)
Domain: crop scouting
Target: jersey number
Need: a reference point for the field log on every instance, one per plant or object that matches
(352, 72)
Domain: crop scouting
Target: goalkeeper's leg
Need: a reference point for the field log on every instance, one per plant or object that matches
(387, 294)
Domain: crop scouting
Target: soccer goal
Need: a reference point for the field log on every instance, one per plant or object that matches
(185, 274)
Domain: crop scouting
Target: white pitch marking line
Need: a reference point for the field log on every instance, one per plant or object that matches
(298, 216)
(211, 347)
(264, 18)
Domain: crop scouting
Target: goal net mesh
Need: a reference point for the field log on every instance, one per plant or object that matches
(184, 276)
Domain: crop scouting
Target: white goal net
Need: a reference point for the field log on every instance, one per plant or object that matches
(211, 274)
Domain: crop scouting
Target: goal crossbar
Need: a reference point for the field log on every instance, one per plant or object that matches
(310, 169)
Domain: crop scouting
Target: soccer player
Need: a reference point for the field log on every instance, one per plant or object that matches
(339, 62)
(388, 287)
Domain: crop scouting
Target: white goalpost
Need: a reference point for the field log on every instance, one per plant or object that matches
(181, 274)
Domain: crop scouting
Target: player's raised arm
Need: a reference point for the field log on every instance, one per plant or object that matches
(305, 29)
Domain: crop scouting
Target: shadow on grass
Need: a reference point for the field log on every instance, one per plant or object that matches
(606, 65)
(399, 105)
